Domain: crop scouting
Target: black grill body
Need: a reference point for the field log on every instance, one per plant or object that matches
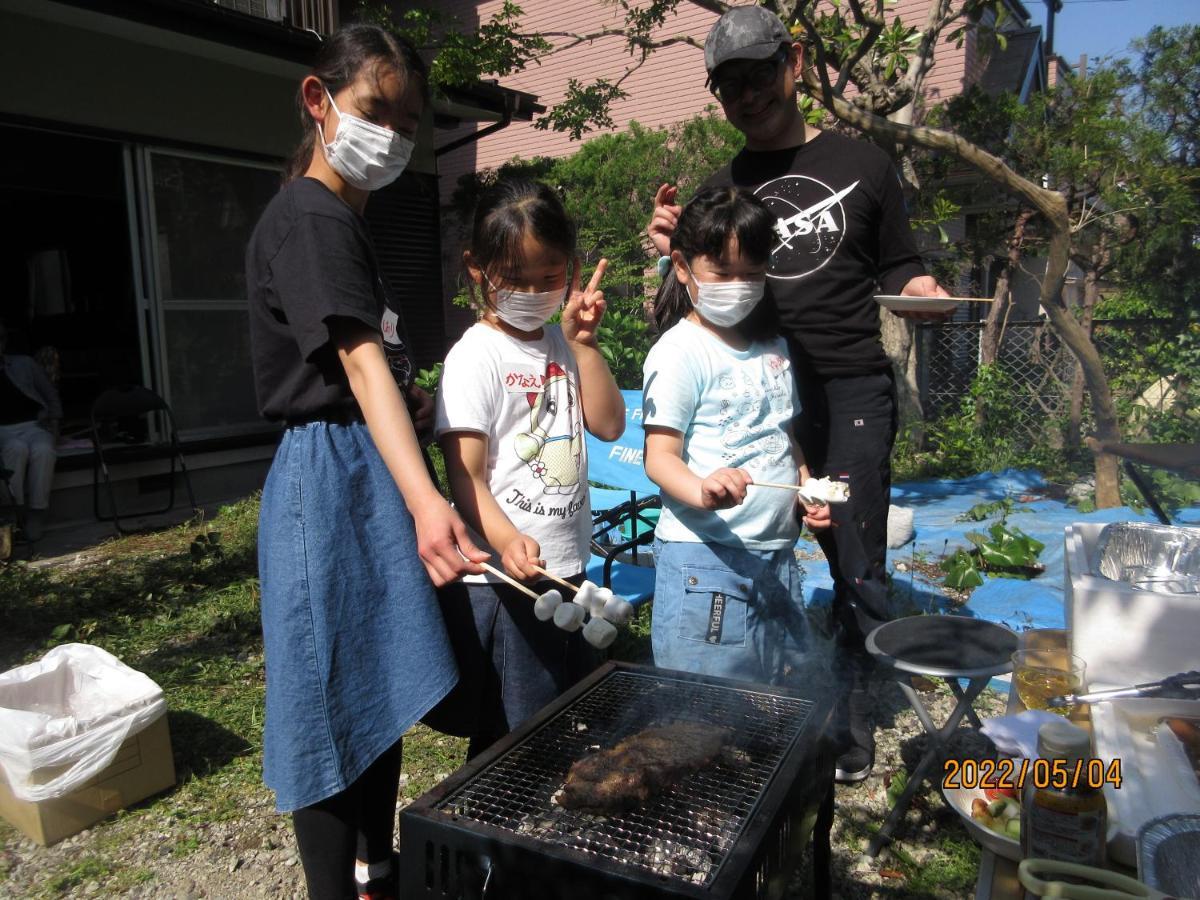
(734, 829)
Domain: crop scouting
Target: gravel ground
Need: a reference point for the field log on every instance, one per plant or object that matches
(165, 856)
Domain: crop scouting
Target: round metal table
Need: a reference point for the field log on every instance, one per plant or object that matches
(954, 648)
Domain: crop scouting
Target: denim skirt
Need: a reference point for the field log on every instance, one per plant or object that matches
(734, 613)
(356, 649)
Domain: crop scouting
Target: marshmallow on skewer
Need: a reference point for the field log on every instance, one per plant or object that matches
(618, 610)
(599, 633)
(596, 599)
(569, 616)
(545, 605)
(584, 594)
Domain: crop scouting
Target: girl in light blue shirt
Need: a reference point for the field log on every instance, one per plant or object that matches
(719, 401)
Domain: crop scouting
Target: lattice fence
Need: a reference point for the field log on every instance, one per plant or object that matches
(1040, 368)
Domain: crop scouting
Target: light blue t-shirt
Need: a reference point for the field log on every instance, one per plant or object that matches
(735, 410)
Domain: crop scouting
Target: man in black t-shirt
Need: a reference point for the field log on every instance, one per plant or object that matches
(842, 236)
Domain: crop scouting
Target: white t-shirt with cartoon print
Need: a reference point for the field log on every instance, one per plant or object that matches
(524, 396)
(735, 410)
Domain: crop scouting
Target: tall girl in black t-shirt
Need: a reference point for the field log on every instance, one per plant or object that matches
(353, 535)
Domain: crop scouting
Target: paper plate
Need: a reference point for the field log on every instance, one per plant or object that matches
(897, 303)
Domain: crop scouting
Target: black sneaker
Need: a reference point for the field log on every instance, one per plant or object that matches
(854, 765)
(858, 757)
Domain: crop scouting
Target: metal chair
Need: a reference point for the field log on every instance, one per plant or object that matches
(108, 411)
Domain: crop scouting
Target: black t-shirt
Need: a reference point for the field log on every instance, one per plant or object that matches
(842, 236)
(311, 260)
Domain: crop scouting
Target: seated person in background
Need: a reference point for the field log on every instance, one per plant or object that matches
(29, 414)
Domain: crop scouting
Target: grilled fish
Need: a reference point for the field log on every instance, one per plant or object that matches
(613, 781)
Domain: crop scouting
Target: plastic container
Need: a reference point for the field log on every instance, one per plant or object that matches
(1126, 635)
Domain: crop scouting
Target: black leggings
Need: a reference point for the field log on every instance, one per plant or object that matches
(356, 823)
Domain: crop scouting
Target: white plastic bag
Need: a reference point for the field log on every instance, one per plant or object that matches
(74, 707)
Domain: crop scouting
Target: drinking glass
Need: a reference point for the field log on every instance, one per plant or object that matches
(1043, 674)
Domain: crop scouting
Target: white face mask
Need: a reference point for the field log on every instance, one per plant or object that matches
(526, 310)
(725, 303)
(368, 156)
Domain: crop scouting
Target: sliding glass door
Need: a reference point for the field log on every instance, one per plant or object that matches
(197, 212)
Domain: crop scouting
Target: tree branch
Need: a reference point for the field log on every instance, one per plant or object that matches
(922, 59)
(874, 26)
(644, 44)
(1049, 203)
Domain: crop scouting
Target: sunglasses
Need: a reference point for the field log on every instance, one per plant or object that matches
(757, 77)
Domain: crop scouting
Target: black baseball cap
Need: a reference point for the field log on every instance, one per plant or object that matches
(744, 32)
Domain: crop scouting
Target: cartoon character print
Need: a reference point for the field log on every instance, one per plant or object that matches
(553, 445)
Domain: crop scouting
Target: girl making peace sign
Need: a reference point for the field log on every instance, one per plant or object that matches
(515, 398)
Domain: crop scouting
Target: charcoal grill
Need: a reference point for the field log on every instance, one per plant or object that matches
(735, 829)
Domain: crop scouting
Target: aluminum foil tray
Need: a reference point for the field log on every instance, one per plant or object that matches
(1161, 558)
(1169, 855)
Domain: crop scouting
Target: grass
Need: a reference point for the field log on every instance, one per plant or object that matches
(180, 605)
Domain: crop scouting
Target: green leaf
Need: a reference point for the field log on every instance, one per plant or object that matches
(62, 632)
(896, 786)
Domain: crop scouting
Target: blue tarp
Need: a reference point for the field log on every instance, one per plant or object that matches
(936, 505)
(1037, 603)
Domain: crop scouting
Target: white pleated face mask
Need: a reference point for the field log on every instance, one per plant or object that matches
(368, 156)
(526, 310)
(725, 303)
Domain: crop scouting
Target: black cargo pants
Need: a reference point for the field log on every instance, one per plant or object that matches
(847, 430)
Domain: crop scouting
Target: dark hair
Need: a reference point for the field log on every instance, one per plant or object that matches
(341, 59)
(508, 211)
(705, 226)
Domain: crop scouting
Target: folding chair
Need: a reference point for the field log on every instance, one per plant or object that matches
(114, 409)
(625, 512)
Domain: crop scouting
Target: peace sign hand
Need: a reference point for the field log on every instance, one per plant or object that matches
(584, 311)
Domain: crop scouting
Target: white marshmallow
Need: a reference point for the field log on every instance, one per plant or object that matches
(545, 605)
(599, 600)
(569, 616)
(618, 610)
(584, 595)
(599, 633)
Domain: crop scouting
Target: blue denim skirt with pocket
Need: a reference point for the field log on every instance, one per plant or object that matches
(356, 649)
(729, 612)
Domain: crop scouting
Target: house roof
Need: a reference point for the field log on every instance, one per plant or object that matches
(206, 20)
(484, 101)
(1015, 68)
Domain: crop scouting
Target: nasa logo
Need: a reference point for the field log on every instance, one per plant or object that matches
(810, 222)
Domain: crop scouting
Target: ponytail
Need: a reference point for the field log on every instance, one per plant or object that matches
(671, 303)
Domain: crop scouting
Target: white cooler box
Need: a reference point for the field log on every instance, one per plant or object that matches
(1143, 623)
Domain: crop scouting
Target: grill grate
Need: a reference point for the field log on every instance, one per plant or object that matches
(687, 831)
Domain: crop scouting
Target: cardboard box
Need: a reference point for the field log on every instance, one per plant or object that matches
(143, 766)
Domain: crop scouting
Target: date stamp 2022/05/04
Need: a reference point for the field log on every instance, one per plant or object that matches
(1014, 774)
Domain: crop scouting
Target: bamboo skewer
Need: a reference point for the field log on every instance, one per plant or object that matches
(557, 580)
(509, 579)
(775, 484)
(804, 498)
